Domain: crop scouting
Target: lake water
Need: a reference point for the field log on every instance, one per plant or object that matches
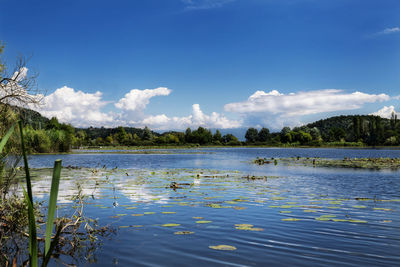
(289, 215)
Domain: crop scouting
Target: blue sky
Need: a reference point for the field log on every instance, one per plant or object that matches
(204, 60)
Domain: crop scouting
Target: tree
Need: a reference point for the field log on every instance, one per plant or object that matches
(356, 128)
(304, 137)
(121, 136)
(393, 120)
(264, 135)
(229, 139)
(109, 140)
(286, 136)
(188, 135)
(53, 124)
(217, 137)
(201, 136)
(251, 135)
(315, 134)
(147, 134)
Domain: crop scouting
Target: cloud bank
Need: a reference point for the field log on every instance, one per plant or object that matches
(84, 109)
(274, 108)
(262, 109)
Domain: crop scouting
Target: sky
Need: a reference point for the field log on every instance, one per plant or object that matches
(226, 64)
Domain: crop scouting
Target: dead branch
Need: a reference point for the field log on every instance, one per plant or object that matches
(18, 88)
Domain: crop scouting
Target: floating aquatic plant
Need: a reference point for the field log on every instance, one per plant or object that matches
(222, 247)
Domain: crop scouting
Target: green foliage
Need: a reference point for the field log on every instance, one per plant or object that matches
(264, 135)
(251, 135)
(217, 137)
(231, 140)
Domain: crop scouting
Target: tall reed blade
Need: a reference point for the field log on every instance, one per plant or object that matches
(33, 252)
(27, 175)
(4, 140)
(33, 249)
(52, 204)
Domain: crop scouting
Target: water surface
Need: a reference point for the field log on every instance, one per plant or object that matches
(299, 215)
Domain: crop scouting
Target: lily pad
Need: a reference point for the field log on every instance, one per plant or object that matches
(340, 220)
(171, 225)
(222, 247)
(203, 221)
(168, 212)
(239, 208)
(291, 219)
(244, 225)
(323, 219)
(183, 233)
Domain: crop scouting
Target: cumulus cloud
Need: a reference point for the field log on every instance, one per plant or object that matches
(274, 108)
(85, 109)
(75, 107)
(386, 112)
(196, 119)
(137, 100)
(303, 103)
(204, 4)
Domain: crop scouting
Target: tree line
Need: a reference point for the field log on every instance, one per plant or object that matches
(351, 130)
(49, 135)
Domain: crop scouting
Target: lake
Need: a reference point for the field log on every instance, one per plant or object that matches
(285, 215)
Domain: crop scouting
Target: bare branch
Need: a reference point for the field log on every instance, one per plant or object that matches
(19, 88)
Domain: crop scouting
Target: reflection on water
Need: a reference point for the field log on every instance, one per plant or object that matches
(284, 215)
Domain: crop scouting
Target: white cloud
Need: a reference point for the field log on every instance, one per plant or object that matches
(204, 4)
(276, 109)
(85, 109)
(390, 30)
(137, 100)
(386, 112)
(386, 31)
(75, 107)
(303, 103)
(196, 119)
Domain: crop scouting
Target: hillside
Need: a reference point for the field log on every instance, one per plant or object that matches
(353, 128)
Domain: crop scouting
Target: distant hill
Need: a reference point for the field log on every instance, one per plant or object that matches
(95, 132)
(31, 117)
(344, 122)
